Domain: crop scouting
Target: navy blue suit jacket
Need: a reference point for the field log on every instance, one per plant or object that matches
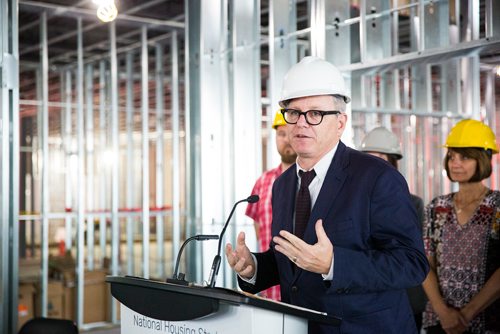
(368, 216)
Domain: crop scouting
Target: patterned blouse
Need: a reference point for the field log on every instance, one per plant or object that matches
(466, 256)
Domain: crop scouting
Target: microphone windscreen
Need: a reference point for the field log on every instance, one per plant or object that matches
(253, 198)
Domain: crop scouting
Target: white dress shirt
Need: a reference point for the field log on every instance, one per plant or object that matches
(321, 168)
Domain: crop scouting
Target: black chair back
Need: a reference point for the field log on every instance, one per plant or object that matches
(49, 325)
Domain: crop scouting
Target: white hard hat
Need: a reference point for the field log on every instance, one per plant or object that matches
(312, 76)
(383, 141)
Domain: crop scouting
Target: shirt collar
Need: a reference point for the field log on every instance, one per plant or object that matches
(321, 167)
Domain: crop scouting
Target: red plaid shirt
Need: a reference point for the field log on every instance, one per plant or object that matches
(261, 213)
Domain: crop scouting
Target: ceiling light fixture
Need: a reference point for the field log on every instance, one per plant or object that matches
(106, 10)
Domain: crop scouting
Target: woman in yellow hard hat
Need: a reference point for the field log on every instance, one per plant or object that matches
(461, 236)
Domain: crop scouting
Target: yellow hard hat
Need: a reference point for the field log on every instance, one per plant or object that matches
(472, 133)
(278, 120)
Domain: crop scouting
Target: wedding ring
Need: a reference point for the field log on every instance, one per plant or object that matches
(294, 259)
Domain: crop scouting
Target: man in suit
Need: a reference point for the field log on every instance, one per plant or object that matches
(360, 246)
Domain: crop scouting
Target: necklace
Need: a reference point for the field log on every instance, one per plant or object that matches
(460, 206)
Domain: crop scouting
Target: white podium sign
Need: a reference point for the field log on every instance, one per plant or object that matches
(242, 319)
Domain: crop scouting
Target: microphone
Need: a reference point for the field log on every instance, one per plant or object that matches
(216, 263)
(178, 278)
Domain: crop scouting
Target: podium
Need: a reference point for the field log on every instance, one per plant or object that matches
(153, 307)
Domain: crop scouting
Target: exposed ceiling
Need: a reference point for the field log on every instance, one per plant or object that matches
(161, 17)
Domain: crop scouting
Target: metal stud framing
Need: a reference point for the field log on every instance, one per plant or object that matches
(160, 236)
(90, 189)
(282, 54)
(145, 152)
(245, 123)
(44, 115)
(115, 228)
(9, 165)
(80, 185)
(176, 158)
(418, 87)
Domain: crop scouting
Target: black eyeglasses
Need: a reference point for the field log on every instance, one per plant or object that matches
(313, 117)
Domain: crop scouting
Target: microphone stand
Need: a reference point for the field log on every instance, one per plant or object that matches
(217, 259)
(179, 278)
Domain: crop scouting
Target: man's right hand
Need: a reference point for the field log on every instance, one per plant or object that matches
(240, 259)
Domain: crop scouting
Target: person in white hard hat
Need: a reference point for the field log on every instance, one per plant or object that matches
(345, 233)
(261, 212)
(384, 144)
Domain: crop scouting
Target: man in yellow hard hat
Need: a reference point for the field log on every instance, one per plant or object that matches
(261, 212)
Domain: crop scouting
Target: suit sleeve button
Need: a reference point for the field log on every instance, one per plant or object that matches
(340, 290)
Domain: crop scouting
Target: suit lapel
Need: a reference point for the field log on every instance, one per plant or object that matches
(284, 217)
(288, 200)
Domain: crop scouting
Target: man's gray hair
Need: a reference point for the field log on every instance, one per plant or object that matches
(339, 102)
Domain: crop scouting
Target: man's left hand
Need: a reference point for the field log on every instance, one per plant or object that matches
(315, 258)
